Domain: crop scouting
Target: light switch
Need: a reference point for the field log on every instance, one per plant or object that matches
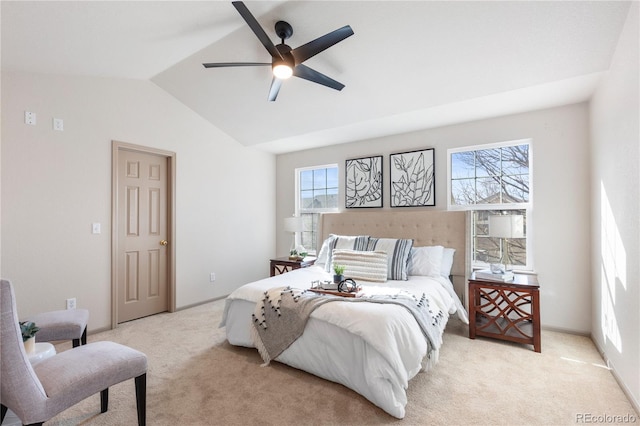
(95, 228)
(58, 124)
(30, 118)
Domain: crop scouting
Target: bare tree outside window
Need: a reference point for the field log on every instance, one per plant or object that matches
(490, 176)
(492, 181)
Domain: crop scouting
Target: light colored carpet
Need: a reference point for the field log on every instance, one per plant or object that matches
(196, 378)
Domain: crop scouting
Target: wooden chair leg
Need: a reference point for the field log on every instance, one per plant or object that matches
(104, 400)
(82, 340)
(141, 399)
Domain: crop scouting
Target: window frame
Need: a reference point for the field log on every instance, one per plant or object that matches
(505, 207)
(298, 209)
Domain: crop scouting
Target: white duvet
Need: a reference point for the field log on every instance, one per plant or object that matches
(374, 349)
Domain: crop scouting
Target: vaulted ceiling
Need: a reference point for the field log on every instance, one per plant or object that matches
(410, 65)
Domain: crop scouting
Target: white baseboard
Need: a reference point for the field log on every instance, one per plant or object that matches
(566, 330)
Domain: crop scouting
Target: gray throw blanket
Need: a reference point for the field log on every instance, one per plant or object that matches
(280, 318)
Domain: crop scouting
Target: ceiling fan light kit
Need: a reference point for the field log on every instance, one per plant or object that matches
(285, 61)
(282, 71)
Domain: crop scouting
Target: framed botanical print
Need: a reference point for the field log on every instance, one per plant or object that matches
(363, 182)
(413, 180)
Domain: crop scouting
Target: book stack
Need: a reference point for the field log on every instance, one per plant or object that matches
(486, 274)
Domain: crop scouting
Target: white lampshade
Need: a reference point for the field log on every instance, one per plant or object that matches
(506, 226)
(293, 224)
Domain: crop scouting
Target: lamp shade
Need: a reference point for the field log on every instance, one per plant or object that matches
(293, 224)
(506, 226)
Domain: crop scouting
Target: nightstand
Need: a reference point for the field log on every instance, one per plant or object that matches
(506, 310)
(282, 265)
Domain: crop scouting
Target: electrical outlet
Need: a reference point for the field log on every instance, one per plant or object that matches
(212, 277)
(30, 118)
(71, 303)
(58, 124)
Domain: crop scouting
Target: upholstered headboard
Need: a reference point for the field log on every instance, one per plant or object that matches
(427, 228)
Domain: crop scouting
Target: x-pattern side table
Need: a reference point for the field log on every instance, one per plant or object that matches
(506, 310)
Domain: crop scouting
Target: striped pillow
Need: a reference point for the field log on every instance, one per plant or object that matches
(359, 242)
(397, 255)
(362, 265)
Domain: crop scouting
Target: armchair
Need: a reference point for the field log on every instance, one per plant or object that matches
(37, 394)
(62, 325)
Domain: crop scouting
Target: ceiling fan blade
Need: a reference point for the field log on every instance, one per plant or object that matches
(310, 74)
(306, 51)
(235, 64)
(275, 88)
(257, 29)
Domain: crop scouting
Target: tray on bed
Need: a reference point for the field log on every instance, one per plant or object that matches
(333, 292)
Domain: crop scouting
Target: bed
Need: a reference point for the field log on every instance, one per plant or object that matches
(344, 342)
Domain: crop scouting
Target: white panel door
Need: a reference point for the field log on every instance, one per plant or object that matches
(142, 235)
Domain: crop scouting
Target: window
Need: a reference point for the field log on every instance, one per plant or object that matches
(493, 179)
(317, 192)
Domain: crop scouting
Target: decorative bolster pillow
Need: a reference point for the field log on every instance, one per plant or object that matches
(362, 265)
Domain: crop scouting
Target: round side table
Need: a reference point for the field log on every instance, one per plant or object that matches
(43, 351)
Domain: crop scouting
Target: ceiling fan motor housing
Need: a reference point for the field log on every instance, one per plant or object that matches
(287, 57)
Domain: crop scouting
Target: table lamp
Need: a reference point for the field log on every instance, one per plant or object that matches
(293, 224)
(505, 227)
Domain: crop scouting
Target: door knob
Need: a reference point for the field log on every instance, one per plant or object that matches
(164, 242)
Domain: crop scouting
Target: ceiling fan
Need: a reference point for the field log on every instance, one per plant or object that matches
(285, 61)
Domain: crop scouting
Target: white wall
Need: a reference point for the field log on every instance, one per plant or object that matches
(55, 184)
(615, 141)
(561, 194)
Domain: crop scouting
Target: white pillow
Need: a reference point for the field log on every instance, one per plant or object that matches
(447, 262)
(362, 265)
(426, 261)
(323, 255)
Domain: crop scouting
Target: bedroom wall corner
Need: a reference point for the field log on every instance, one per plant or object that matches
(615, 209)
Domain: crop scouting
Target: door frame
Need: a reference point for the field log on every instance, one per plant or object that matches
(116, 148)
